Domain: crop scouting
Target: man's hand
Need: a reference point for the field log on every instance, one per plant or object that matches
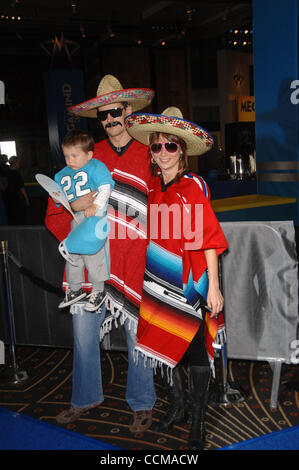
(83, 202)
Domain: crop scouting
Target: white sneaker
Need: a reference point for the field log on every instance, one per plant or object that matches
(95, 300)
(71, 297)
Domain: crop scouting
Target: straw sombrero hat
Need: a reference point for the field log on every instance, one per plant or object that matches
(111, 91)
(171, 121)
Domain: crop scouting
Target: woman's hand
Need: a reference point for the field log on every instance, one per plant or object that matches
(215, 300)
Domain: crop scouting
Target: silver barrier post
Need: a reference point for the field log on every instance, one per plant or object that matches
(11, 374)
(228, 393)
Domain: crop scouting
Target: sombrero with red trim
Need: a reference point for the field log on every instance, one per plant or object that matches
(171, 121)
(111, 91)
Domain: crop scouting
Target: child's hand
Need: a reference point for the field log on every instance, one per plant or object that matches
(91, 210)
(55, 200)
(83, 202)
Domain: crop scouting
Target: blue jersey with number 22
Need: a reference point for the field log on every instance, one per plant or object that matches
(77, 183)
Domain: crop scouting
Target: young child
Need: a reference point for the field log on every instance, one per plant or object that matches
(82, 175)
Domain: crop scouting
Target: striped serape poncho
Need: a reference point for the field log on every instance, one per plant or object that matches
(176, 278)
(127, 213)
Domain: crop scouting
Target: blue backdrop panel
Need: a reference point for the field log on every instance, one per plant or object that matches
(275, 68)
(279, 212)
(63, 88)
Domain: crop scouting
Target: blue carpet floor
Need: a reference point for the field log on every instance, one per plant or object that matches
(19, 432)
(287, 439)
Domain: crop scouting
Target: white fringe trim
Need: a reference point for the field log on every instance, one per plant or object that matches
(220, 339)
(212, 366)
(115, 316)
(77, 308)
(156, 363)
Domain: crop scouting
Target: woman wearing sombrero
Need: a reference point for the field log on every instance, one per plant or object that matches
(180, 313)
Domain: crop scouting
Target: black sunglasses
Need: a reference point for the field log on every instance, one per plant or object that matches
(170, 147)
(114, 112)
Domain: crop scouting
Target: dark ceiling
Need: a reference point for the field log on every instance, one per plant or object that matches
(26, 24)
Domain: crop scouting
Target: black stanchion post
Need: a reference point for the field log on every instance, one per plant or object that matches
(11, 374)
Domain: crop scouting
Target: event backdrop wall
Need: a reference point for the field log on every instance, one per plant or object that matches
(260, 280)
(276, 97)
(63, 88)
(260, 283)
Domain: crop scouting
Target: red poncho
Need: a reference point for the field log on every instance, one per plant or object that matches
(181, 226)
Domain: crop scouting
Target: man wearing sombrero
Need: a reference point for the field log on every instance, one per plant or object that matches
(128, 161)
(180, 311)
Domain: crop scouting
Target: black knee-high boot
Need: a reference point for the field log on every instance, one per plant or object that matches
(199, 380)
(177, 410)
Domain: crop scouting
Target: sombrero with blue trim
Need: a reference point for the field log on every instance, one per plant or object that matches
(110, 91)
(171, 121)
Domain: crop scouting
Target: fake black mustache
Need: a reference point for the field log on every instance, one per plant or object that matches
(113, 124)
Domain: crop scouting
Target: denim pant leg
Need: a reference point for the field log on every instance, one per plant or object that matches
(140, 391)
(87, 374)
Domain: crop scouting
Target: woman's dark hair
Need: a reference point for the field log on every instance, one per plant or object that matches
(79, 137)
(183, 162)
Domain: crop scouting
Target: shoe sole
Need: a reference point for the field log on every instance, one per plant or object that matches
(137, 426)
(93, 309)
(70, 302)
(67, 416)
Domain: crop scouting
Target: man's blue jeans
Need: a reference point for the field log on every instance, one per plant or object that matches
(87, 387)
